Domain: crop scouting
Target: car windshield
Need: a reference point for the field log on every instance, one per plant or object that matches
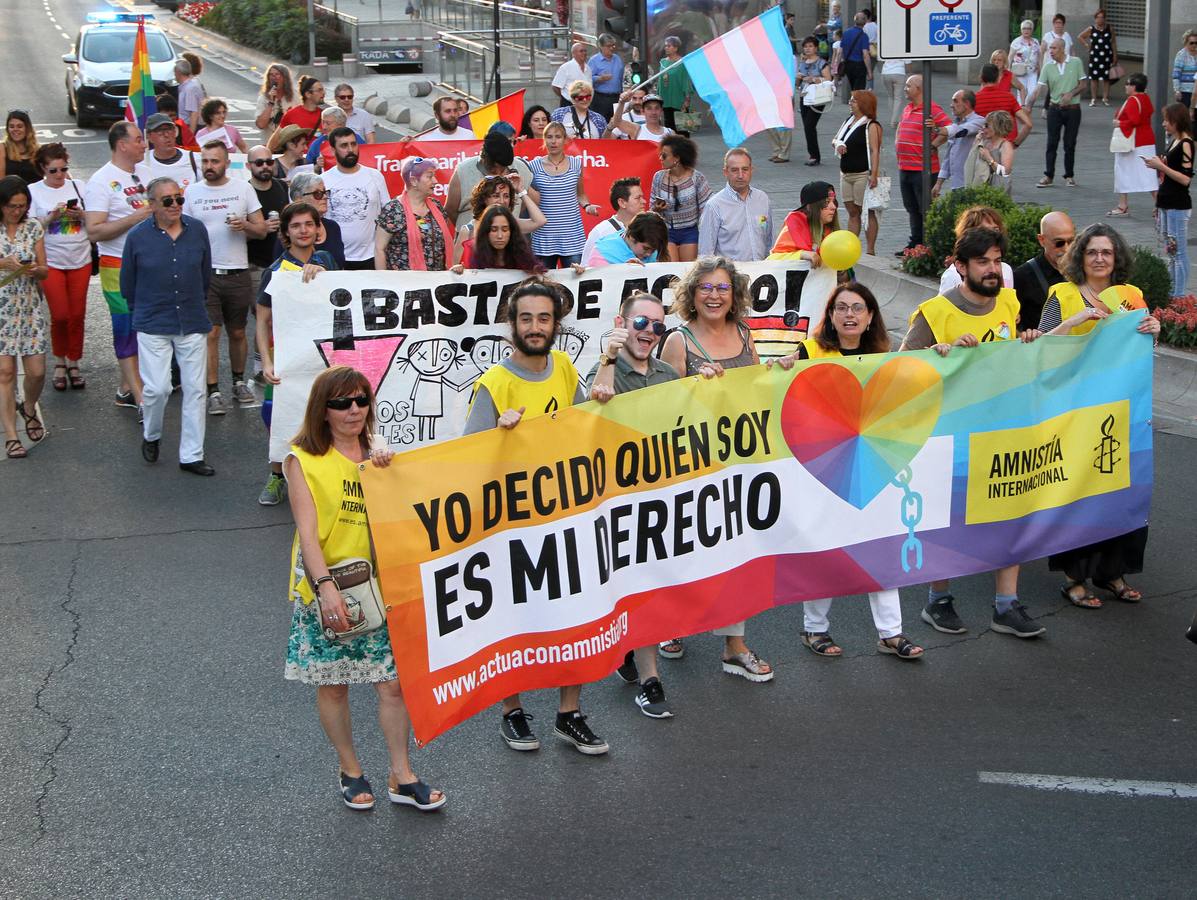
(117, 46)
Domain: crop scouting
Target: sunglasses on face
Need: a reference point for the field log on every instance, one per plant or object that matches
(260, 162)
(63, 169)
(642, 322)
(168, 202)
(317, 195)
(345, 97)
(708, 288)
(343, 403)
(583, 96)
(1062, 242)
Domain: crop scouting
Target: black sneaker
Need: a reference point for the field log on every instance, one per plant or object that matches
(516, 732)
(572, 727)
(628, 672)
(651, 700)
(941, 615)
(125, 399)
(1015, 621)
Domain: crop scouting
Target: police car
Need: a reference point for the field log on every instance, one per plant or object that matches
(101, 63)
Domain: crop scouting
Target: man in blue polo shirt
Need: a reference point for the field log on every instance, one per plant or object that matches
(166, 268)
(606, 70)
(854, 51)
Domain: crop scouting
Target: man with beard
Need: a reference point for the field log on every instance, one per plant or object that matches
(533, 381)
(1034, 278)
(230, 211)
(356, 196)
(978, 311)
(164, 158)
(446, 110)
(628, 364)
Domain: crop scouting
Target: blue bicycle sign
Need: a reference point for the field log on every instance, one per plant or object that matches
(951, 29)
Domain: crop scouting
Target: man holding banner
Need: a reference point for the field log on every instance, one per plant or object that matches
(535, 380)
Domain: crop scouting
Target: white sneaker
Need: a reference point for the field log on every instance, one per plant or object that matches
(216, 404)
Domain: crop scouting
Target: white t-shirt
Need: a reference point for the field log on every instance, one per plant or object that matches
(184, 170)
(872, 31)
(951, 278)
(361, 122)
(211, 205)
(67, 246)
(894, 67)
(118, 193)
(354, 203)
(1050, 38)
(600, 231)
(457, 134)
(569, 72)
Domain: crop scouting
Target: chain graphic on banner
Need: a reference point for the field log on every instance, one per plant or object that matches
(911, 512)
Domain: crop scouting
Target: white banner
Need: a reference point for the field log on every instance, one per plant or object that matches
(423, 338)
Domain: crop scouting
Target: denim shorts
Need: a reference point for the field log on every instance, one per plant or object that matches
(681, 236)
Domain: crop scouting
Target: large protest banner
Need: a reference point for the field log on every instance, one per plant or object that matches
(423, 338)
(513, 560)
(603, 161)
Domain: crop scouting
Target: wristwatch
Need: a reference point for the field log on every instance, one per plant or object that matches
(605, 360)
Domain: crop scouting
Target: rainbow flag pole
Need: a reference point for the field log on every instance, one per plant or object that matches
(142, 102)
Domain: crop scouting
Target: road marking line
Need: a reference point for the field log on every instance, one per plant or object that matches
(1080, 784)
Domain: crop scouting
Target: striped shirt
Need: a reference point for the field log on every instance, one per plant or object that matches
(563, 233)
(683, 202)
(909, 143)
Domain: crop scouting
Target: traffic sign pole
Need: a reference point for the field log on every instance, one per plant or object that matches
(925, 200)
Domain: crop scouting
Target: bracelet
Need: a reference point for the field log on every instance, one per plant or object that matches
(321, 580)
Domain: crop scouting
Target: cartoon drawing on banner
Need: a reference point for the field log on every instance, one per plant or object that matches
(571, 341)
(430, 359)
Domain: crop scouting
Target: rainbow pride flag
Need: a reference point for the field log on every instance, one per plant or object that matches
(508, 108)
(142, 102)
(747, 76)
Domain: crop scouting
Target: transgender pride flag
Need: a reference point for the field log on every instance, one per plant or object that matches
(747, 76)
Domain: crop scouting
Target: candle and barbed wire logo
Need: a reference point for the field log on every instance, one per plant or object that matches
(1107, 449)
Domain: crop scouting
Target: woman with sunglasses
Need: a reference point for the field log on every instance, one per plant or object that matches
(645, 240)
(308, 188)
(558, 181)
(19, 151)
(322, 471)
(578, 119)
(411, 231)
(679, 194)
(851, 326)
(58, 206)
(22, 322)
(712, 300)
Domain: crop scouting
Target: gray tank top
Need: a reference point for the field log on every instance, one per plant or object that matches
(694, 360)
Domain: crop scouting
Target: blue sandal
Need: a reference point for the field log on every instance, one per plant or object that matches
(352, 787)
(416, 794)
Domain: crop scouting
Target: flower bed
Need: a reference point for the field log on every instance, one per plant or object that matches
(193, 12)
(1178, 322)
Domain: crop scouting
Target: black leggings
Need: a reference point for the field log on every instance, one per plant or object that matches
(810, 124)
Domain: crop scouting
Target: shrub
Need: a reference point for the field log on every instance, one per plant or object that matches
(922, 262)
(1022, 221)
(1178, 322)
(279, 27)
(1150, 274)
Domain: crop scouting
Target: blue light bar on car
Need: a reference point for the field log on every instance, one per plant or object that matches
(109, 16)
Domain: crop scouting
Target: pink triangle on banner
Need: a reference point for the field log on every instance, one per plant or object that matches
(372, 356)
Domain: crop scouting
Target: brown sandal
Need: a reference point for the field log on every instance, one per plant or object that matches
(78, 382)
(59, 382)
(34, 429)
(14, 449)
(1085, 600)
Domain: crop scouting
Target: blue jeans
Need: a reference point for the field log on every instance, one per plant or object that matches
(1174, 235)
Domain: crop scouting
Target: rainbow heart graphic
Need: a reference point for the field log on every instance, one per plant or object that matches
(855, 439)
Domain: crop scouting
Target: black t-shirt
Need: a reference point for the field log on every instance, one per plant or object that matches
(1031, 282)
(273, 199)
(1173, 194)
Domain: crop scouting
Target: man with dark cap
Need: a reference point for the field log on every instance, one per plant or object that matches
(497, 158)
(164, 159)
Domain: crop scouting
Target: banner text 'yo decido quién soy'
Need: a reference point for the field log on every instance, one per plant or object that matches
(535, 557)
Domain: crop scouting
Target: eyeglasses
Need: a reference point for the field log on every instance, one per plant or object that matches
(642, 322)
(1096, 253)
(170, 201)
(317, 194)
(260, 162)
(56, 171)
(17, 207)
(343, 403)
(708, 288)
(1062, 242)
(855, 308)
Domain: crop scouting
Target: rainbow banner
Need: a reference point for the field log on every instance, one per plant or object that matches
(521, 559)
(142, 100)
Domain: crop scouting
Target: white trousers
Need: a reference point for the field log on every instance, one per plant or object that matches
(154, 352)
(887, 614)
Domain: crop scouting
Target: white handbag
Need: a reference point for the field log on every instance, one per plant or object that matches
(818, 94)
(363, 599)
(875, 197)
(1119, 142)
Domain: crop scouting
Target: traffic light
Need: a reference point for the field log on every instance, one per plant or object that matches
(622, 19)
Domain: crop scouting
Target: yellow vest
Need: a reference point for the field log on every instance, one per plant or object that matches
(1119, 298)
(336, 488)
(814, 351)
(948, 322)
(508, 391)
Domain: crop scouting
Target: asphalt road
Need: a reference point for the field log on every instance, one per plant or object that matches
(150, 747)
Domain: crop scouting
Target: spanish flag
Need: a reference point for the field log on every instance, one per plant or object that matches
(509, 109)
(142, 103)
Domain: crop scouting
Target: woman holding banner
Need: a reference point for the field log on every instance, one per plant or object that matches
(330, 527)
(1097, 266)
(851, 326)
(412, 232)
(712, 300)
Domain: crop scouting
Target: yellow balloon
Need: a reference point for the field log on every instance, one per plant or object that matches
(840, 250)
